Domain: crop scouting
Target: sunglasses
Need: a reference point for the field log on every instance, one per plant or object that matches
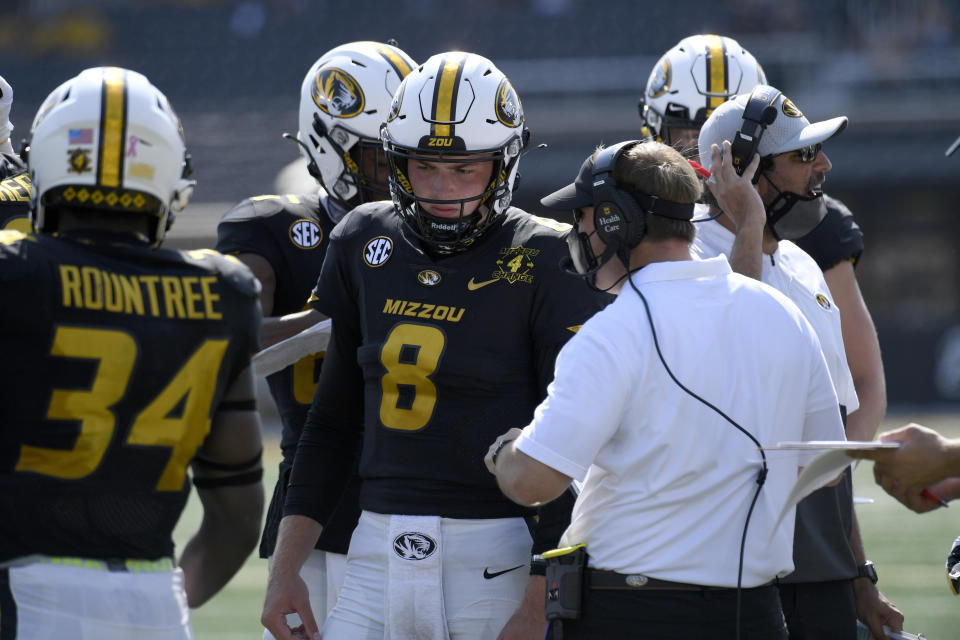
(806, 154)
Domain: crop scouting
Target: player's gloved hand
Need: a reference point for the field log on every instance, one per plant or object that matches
(953, 567)
(6, 127)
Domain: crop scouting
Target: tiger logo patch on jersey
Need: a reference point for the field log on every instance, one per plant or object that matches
(305, 233)
(414, 546)
(428, 278)
(377, 251)
(823, 301)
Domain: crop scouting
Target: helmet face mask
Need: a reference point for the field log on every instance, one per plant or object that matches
(344, 98)
(108, 141)
(692, 79)
(456, 108)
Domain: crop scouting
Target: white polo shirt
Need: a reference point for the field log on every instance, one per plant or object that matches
(667, 481)
(791, 271)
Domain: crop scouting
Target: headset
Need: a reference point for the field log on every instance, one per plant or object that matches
(759, 114)
(620, 210)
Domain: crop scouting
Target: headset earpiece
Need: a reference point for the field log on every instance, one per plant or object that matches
(618, 219)
(759, 114)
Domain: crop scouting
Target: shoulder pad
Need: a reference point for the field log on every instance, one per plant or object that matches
(234, 272)
(265, 206)
(836, 239)
(363, 217)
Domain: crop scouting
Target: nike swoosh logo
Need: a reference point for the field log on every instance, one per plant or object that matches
(473, 286)
(493, 574)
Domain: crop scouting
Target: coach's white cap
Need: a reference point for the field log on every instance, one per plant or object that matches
(790, 130)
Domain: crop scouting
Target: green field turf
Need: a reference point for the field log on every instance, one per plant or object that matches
(908, 549)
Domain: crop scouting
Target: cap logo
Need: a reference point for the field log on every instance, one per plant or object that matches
(377, 251)
(414, 546)
(789, 109)
(508, 109)
(337, 93)
(659, 82)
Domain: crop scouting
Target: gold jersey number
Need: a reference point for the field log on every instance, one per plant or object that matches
(116, 352)
(411, 354)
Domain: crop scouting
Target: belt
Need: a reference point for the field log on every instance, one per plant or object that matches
(131, 565)
(603, 579)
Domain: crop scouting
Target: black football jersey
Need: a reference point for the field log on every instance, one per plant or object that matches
(117, 356)
(431, 359)
(14, 194)
(836, 239)
(291, 232)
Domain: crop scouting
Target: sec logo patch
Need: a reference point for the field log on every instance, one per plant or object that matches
(377, 251)
(306, 234)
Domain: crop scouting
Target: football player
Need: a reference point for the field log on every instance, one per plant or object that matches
(344, 97)
(133, 366)
(14, 179)
(448, 310)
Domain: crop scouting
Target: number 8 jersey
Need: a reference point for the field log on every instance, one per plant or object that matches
(431, 359)
(116, 358)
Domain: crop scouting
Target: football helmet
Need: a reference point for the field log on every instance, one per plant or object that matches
(108, 140)
(691, 80)
(456, 107)
(344, 98)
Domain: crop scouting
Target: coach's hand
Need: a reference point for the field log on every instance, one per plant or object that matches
(874, 610)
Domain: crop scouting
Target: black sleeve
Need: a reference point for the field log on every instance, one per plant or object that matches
(836, 239)
(331, 440)
(330, 444)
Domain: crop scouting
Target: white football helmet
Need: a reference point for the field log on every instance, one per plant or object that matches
(455, 104)
(108, 140)
(691, 80)
(344, 99)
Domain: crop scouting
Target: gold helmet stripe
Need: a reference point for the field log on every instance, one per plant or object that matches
(396, 61)
(113, 125)
(445, 94)
(716, 72)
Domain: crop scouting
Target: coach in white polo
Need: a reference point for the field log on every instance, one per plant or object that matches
(779, 190)
(667, 480)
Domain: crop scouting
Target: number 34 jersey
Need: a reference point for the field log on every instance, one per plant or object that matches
(116, 358)
(448, 353)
